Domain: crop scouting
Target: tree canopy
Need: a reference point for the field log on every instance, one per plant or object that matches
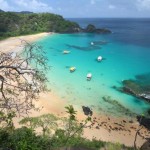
(13, 24)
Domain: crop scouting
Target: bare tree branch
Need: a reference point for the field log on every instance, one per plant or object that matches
(22, 78)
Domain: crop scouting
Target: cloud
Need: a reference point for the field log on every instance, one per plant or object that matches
(143, 4)
(5, 6)
(111, 6)
(59, 8)
(92, 2)
(33, 5)
(21, 3)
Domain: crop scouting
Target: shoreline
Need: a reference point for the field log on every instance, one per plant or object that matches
(106, 128)
(15, 44)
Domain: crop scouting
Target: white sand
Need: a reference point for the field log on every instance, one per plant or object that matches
(15, 44)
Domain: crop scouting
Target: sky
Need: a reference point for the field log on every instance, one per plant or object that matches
(82, 8)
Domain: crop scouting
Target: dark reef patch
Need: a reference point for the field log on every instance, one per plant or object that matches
(116, 106)
(137, 101)
(138, 87)
(89, 48)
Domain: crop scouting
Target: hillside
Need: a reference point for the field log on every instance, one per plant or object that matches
(22, 23)
(14, 24)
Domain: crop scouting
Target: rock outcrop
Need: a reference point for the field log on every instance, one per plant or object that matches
(87, 111)
(89, 29)
(138, 87)
(144, 121)
(134, 88)
(92, 29)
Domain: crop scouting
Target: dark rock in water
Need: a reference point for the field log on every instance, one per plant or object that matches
(143, 77)
(87, 111)
(75, 28)
(144, 121)
(136, 88)
(114, 87)
(131, 87)
(89, 48)
(92, 29)
(146, 145)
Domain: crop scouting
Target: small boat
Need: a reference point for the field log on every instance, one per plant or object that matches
(72, 69)
(66, 52)
(89, 76)
(99, 58)
(92, 43)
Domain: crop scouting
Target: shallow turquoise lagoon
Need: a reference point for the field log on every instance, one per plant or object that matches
(121, 61)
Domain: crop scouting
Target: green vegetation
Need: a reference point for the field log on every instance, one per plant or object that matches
(67, 132)
(26, 139)
(23, 23)
(14, 24)
(47, 122)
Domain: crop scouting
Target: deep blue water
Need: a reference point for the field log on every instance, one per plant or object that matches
(127, 55)
(131, 31)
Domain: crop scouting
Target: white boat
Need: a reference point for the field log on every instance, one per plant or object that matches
(66, 52)
(89, 76)
(99, 58)
(92, 43)
(72, 69)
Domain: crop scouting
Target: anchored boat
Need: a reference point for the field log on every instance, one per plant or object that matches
(72, 69)
(66, 52)
(92, 43)
(99, 58)
(89, 76)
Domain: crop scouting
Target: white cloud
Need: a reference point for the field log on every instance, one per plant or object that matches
(111, 6)
(59, 8)
(33, 5)
(92, 2)
(143, 4)
(21, 3)
(5, 6)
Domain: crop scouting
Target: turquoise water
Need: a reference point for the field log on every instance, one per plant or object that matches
(121, 61)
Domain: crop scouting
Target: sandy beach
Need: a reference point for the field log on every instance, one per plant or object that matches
(15, 44)
(106, 128)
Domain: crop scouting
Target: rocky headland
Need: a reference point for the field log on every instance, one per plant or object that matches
(89, 29)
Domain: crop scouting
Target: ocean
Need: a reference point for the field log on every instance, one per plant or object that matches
(126, 55)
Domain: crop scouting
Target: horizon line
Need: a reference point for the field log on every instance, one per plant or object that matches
(107, 17)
